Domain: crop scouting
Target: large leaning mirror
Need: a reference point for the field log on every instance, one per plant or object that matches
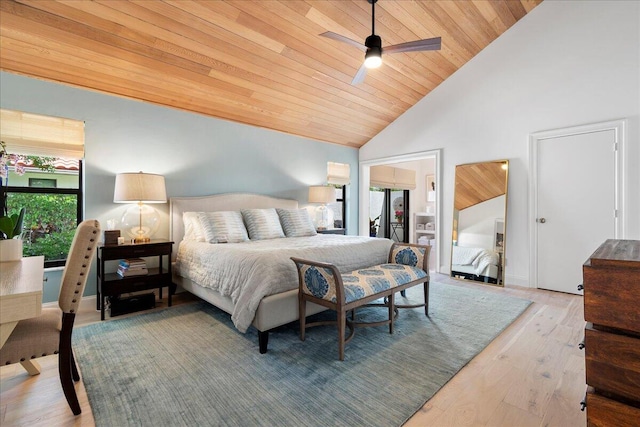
(479, 222)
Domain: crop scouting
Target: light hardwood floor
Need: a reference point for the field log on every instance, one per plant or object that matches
(531, 375)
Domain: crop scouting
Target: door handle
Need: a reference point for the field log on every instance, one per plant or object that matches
(541, 220)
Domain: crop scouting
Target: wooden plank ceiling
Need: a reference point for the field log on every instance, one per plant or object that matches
(259, 62)
(479, 182)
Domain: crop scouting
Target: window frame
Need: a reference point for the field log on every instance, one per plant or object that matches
(343, 199)
(69, 191)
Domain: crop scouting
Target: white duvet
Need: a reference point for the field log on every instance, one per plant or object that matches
(249, 271)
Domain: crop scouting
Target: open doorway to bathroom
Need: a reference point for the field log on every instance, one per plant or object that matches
(419, 217)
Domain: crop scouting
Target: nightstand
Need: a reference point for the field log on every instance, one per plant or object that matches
(112, 284)
(333, 231)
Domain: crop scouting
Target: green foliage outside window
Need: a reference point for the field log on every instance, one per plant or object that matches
(50, 222)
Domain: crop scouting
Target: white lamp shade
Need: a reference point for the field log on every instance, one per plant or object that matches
(139, 187)
(322, 194)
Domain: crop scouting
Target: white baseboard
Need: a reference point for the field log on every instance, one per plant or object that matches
(86, 303)
(517, 280)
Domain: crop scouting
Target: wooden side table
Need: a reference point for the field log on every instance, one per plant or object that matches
(112, 284)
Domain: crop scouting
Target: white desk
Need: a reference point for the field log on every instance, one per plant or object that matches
(20, 296)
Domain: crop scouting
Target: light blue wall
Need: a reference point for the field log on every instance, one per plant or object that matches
(198, 155)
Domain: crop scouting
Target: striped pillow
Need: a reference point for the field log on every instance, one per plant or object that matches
(262, 224)
(223, 227)
(296, 222)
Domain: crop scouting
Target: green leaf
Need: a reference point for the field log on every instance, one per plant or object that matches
(11, 226)
(6, 227)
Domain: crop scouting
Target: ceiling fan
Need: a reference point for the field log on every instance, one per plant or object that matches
(373, 46)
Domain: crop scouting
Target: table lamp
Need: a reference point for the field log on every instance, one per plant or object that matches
(140, 221)
(322, 194)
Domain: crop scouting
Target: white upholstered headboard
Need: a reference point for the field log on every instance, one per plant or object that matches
(218, 202)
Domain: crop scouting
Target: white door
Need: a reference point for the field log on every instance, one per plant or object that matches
(576, 201)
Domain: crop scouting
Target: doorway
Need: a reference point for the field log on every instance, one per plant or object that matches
(423, 200)
(576, 200)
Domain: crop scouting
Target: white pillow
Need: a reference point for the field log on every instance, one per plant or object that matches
(262, 224)
(192, 228)
(296, 222)
(223, 227)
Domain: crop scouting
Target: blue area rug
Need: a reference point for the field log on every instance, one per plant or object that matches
(188, 366)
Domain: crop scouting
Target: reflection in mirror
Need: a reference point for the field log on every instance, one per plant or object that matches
(479, 222)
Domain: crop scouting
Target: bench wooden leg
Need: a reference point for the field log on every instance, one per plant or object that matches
(391, 311)
(426, 298)
(342, 324)
(302, 314)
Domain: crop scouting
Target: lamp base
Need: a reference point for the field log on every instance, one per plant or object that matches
(140, 222)
(323, 217)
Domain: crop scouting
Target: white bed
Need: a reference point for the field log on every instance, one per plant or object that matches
(475, 263)
(263, 305)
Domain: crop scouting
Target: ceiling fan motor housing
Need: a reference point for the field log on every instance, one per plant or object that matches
(373, 41)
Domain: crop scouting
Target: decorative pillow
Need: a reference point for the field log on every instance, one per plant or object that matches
(262, 224)
(296, 222)
(223, 227)
(192, 228)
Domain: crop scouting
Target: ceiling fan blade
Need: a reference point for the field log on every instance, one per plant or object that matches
(359, 77)
(418, 45)
(344, 39)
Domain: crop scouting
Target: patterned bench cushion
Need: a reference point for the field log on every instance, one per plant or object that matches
(358, 284)
(408, 255)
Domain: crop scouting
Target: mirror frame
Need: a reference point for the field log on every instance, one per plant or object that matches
(491, 192)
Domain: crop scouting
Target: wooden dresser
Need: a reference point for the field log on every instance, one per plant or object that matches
(612, 334)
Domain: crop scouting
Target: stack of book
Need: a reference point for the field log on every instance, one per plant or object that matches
(132, 267)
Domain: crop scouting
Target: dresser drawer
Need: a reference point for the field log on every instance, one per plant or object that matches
(612, 363)
(603, 412)
(608, 296)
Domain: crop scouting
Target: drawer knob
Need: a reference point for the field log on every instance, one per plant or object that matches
(581, 345)
(580, 287)
(583, 404)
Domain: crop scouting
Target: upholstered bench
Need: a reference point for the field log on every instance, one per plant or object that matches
(323, 284)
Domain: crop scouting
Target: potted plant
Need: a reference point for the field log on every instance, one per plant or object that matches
(10, 231)
(399, 216)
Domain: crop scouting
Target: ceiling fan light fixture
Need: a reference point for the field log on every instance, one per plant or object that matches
(373, 58)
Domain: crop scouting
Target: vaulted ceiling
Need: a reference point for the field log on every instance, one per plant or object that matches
(259, 62)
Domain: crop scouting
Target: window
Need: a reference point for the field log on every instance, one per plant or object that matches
(51, 213)
(41, 171)
(338, 175)
(339, 207)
